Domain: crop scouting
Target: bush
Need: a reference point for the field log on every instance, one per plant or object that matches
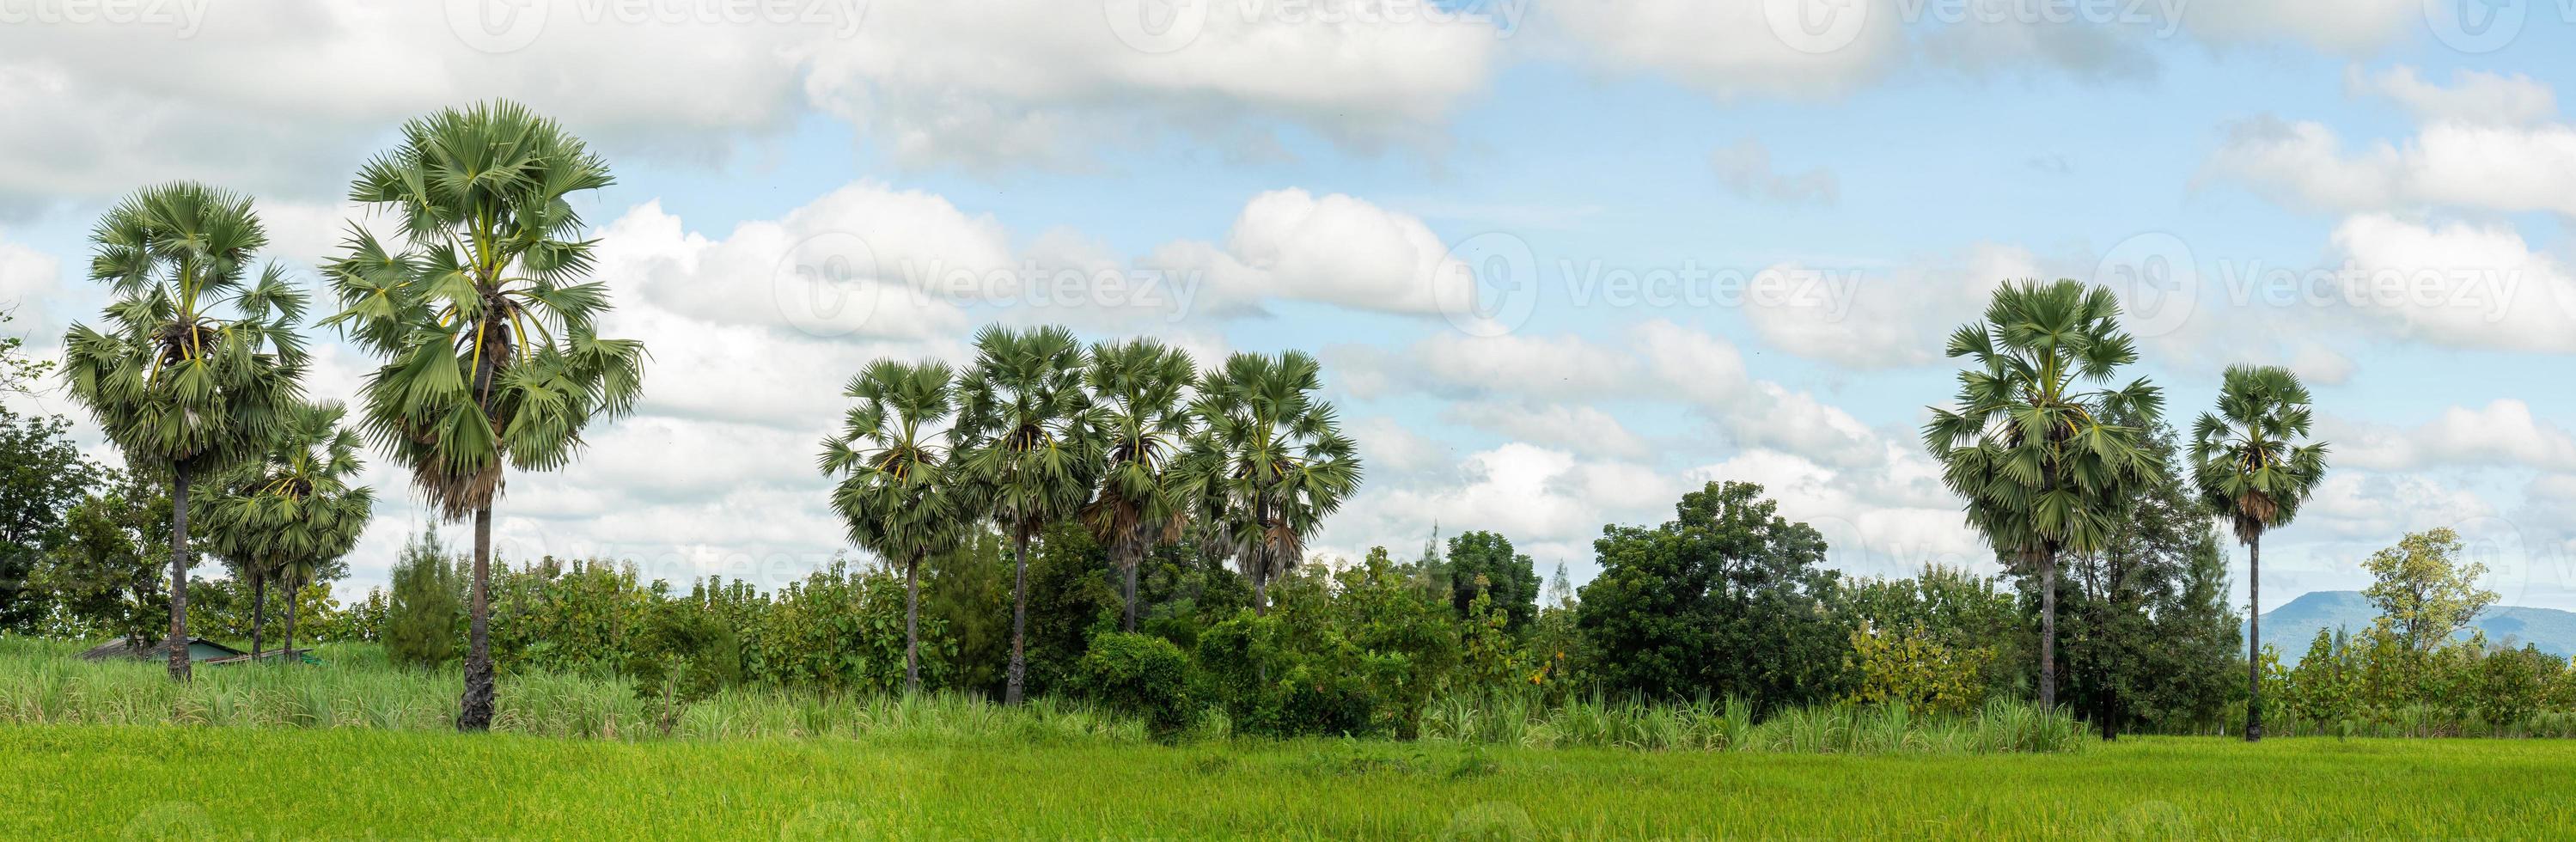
(1135, 674)
(428, 603)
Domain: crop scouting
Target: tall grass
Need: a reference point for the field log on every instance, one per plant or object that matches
(1730, 725)
(43, 682)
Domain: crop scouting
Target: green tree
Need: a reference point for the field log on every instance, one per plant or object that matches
(895, 488)
(291, 513)
(2253, 471)
(42, 474)
(482, 320)
(2423, 593)
(198, 362)
(428, 597)
(100, 578)
(1141, 387)
(1726, 599)
(1270, 462)
(2140, 615)
(1028, 449)
(1483, 562)
(2043, 467)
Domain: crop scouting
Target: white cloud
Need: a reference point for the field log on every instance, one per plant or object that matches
(1585, 430)
(1336, 249)
(2472, 97)
(1899, 318)
(1730, 48)
(2504, 433)
(2457, 283)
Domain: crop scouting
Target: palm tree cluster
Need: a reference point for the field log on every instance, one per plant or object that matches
(479, 313)
(2046, 446)
(1128, 437)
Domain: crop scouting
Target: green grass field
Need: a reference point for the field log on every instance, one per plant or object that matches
(82, 782)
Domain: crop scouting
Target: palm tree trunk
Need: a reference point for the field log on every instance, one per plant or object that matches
(1019, 617)
(289, 655)
(2254, 639)
(1132, 563)
(475, 709)
(178, 640)
(2048, 630)
(258, 612)
(912, 626)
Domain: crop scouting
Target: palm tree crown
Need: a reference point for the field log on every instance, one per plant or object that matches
(486, 327)
(1270, 461)
(292, 512)
(2247, 458)
(1144, 417)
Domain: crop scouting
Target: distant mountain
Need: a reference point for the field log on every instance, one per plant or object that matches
(2290, 627)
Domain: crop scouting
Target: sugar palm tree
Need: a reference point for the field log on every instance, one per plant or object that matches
(1027, 447)
(291, 511)
(2032, 444)
(196, 363)
(896, 489)
(1270, 461)
(1141, 387)
(483, 321)
(2253, 470)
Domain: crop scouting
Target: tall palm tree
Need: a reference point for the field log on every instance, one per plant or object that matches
(196, 364)
(1270, 462)
(896, 489)
(2042, 463)
(285, 514)
(2252, 470)
(1141, 388)
(485, 326)
(1026, 436)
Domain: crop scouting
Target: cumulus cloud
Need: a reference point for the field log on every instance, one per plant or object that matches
(2503, 433)
(2472, 97)
(1334, 249)
(2458, 283)
(2485, 142)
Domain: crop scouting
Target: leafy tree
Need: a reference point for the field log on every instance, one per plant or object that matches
(1909, 666)
(18, 372)
(897, 491)
(2423, 593)
(2043, 466)
(291, 513)
(427, 600)
(1027, 445)
(483, 322)
(99, 578)
(198, 362)
(1955, 610)
(42, 473)
(1483, 563)
(2254, 472)
(1270, 463)
(1144, 418)
(1726, 599)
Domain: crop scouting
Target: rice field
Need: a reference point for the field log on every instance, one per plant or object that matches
(160, 782)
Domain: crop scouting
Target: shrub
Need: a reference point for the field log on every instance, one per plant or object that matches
(1136, 674)
(428, 602)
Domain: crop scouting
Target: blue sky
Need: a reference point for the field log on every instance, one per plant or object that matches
(1321, 185)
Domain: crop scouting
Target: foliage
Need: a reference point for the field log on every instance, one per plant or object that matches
(1908, 666)
(1956, 610)
(1726, 599)
(289, 515)
(1137, 674)
(1483, 563)
(2148, 636)
(103, 578)
(2423, 592)
(42, 474)
(1142, 419)
(839, 631)
(2248, 458)
(895, 489)
(426, 604)
(1027, 448)
(2374, 682)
